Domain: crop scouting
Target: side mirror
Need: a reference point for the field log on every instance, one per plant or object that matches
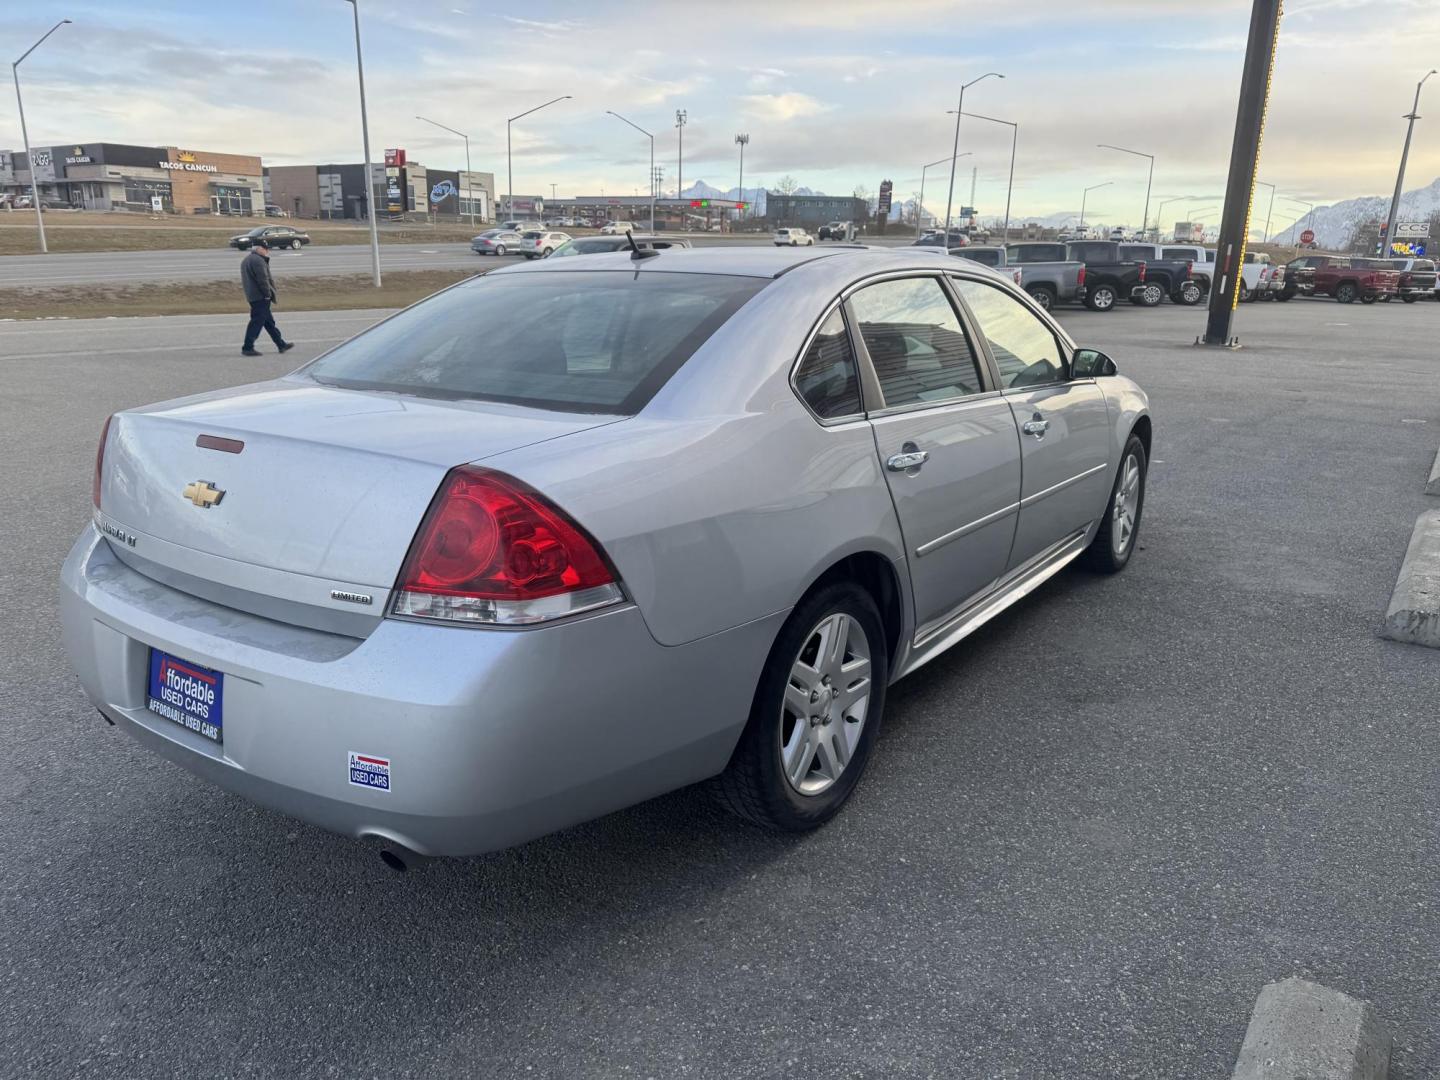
(1090, 364)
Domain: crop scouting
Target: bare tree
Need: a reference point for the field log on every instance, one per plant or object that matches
(861, 192)
(786, 185)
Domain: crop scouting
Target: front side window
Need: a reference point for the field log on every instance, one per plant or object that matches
(827, 378)
(1024, 348)
(578, 341)
(915, 341)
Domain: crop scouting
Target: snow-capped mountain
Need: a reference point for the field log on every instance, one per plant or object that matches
(1334, 224)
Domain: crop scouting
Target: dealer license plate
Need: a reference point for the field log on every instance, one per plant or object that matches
(188, 694)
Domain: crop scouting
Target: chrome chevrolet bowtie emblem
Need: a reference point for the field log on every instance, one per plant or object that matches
(203, 494)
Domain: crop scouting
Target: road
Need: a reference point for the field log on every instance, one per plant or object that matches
(1087, 838)
(130, 267)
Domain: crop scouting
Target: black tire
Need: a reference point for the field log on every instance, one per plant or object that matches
(1043, 295)
(1367, 299)
(1151, 294)
(499, 249)
(1384, 299)
(1101, 297)
(1246, 296)
(1101, 555)
(1283, 296)
(1346, 292)
(1409, 298)
(1189, 293)
(294, 245)
(753, 785)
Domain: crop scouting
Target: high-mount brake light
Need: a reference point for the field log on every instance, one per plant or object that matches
(491, 551)
(100, 461)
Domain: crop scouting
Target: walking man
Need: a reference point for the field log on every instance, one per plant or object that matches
(260, 291)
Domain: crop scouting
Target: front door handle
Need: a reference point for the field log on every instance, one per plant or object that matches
(1036, 427)
(910, 459)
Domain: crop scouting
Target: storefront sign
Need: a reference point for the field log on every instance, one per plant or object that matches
(442, 191)
(77, 156)
(7, 167)
(185, 161)
(395, 159)
(42, 166)
(1412, 230)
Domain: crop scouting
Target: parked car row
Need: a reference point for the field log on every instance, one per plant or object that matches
(544, 243)
(1348, 278)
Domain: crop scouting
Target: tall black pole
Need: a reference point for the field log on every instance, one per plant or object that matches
(1244, 159)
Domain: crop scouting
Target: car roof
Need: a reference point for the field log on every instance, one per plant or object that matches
(848, 260)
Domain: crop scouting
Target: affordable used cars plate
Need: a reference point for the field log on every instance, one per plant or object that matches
(190, 695)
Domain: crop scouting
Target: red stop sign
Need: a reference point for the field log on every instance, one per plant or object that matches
(1308, 236)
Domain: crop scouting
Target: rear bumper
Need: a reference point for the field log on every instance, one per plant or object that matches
(493, 736)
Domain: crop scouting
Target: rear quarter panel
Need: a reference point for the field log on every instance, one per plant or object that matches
(724, 499)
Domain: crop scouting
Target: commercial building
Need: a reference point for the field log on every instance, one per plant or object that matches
(702, 214)
(403, 188)
(812, 211)
(115, 176)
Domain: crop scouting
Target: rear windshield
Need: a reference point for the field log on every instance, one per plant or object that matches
(1423, 265)
(1138, 254)
(981, 256)
(588, 341)
(1033, 253)
(1178, 253)
(590, 245)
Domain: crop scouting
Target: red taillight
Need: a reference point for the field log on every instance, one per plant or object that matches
(1142, 271)
(490, 550)
(100, 462)
(1189, 269)
(1080, 276)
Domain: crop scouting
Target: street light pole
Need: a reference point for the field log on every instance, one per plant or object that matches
(25, 136)
(1084, 195)
(955, 149)
(365, 139)
(1270, 210)
(647, 134)
(1414, 114)
(1160, 213)
(509, 163)
(920, 210)
(742, 141)
(467, 160)
(1010, 184)
(681, 118)
(1145, 219)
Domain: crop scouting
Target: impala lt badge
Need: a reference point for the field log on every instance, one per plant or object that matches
(203, 494)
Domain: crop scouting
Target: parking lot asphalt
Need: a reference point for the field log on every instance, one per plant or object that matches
(133, 267)
(1089, 834)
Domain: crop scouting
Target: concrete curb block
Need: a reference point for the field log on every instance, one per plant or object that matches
(1432, 486)
(1303, 1029)
(1414, 612)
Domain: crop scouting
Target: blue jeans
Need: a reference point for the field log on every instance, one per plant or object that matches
(261, 319)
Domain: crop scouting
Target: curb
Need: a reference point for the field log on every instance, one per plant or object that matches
(1303, 1029)
(1432, 485)
(1414, 612)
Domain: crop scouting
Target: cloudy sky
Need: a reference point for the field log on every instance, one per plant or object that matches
(837, 94)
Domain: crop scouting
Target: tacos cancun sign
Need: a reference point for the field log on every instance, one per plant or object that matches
(185, 162)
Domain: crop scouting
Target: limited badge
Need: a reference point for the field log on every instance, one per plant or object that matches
(369, 771)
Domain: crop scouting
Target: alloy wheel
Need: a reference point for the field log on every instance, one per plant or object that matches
(826, 697)
(1126, 507)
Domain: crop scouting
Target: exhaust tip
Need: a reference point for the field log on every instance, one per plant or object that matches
(393, 860)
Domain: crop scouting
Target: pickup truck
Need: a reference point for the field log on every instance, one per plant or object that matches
(1345, 278)
(1169, 271)
(1417, 279)
(1256, 274)
(1046, 274)
(1108, 275)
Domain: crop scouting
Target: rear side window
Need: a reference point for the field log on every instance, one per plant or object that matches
(1178, 253)
(1136, 254)
(1087, 252)
(1423, 265)
(984, 258)
(1033, 253)
(1024, 348)
(827, 377)
(588, 341)
(915, 341)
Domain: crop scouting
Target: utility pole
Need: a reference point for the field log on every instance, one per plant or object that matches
(25, 136)
(742, 141)
(1145, 216)
(1084, 195)
(465, 186)
(647, 134)
(1265, 238)
(1388, 234)
(955, 150)
(509, 166)
(365, 139)
(681, 117)
(1244, 159)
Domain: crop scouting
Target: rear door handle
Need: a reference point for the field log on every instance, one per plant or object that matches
(1036, 428)
(910, 459)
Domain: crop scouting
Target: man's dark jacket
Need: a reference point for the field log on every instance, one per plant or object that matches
(255, 276)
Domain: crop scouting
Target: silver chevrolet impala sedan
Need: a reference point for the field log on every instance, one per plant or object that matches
(577, 533)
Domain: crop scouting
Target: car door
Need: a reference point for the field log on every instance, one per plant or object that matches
(946, 438)
(1064, 423)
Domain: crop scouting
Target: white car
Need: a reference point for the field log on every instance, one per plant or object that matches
(538, 243)
(614, 228)
(792, 238)
(515, 226)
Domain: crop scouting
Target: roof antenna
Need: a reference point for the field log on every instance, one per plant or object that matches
(636, 251)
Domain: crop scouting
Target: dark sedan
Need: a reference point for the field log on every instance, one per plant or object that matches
(275, 236)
